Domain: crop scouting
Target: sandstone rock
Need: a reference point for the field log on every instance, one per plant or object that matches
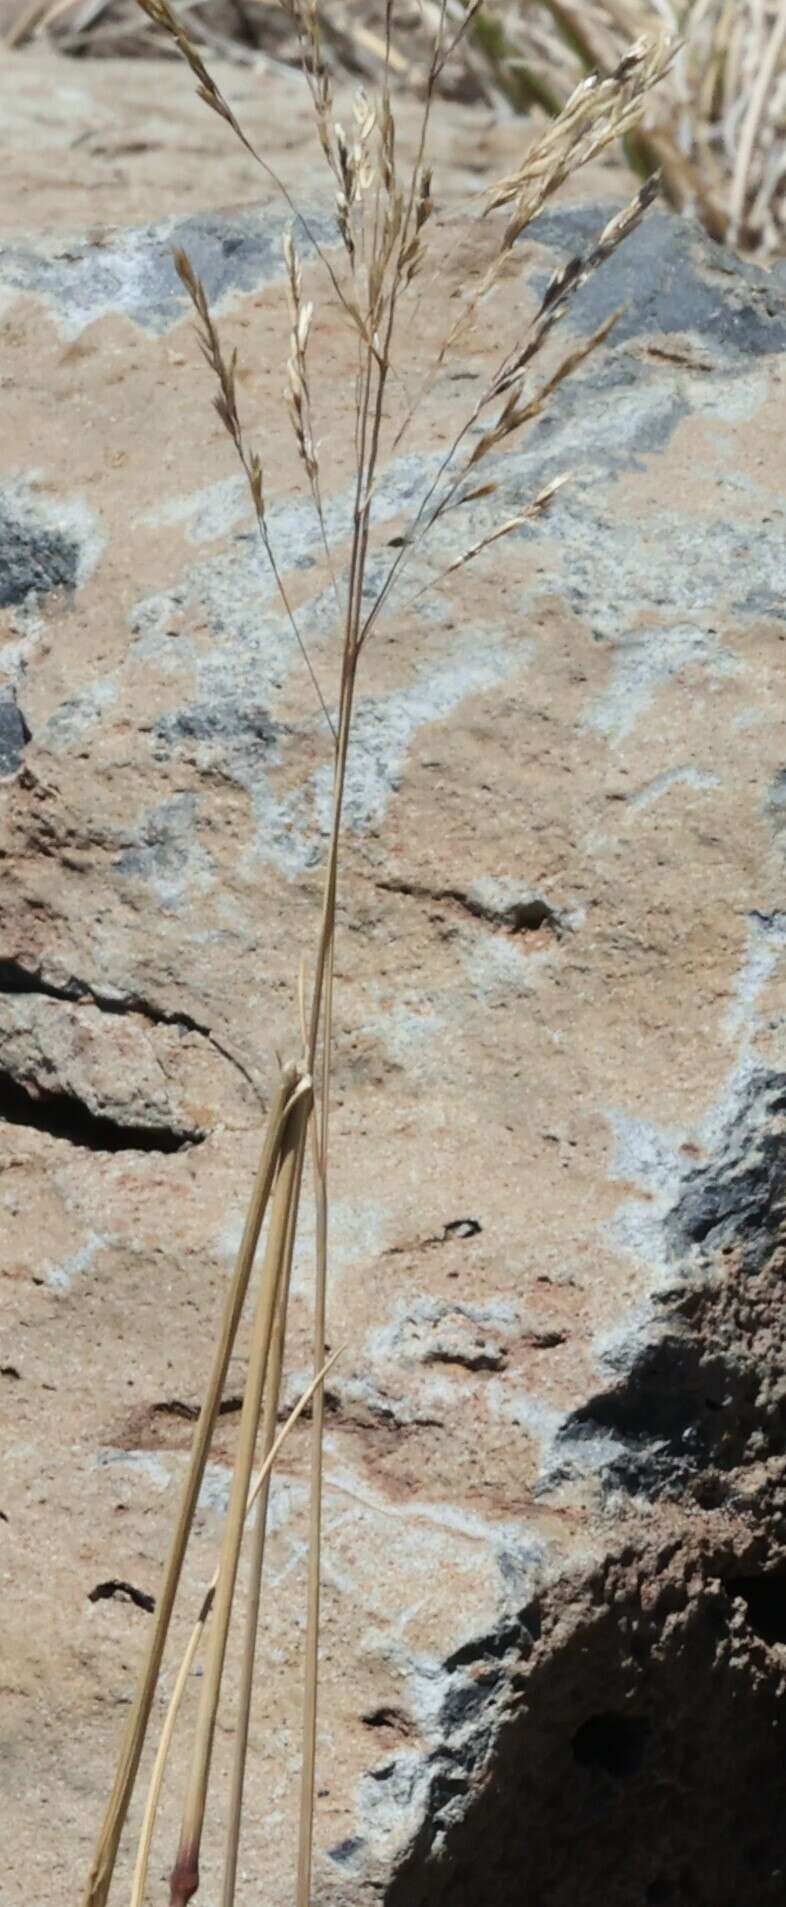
(555, 1601)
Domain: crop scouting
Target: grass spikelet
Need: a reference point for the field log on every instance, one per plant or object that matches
(298, 393)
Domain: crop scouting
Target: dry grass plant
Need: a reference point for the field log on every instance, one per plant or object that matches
(716, 129)
(384, 228)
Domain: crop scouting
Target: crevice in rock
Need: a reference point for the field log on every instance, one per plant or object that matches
(454, 1228)
(526, 914)
(64, 1117)
(394, 1720)
(764, 1596)
(180, 1407)
(478, 1357)
(17, 978)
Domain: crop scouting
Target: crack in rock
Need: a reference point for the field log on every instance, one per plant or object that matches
(124, 1592)
(501, 903)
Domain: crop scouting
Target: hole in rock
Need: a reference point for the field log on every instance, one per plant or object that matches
(615, 1743)
(765, 1602)
(525, 917)
(640, 1764)
(388, 1717)
(660, 1892)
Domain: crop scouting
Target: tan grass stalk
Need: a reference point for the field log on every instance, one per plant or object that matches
(299, 405)
(181, 1682)
(257, 1557)
(313, 1592)
(289, 1090)
(322, 1003)
(405, 218)
(185, 1874)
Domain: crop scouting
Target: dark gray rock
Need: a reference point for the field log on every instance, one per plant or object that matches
(33, 560)
(706, 1392)
(14, 734)
(229, 735)
(133, 271)
(670, 278)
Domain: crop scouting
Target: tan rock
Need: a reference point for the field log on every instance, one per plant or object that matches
(550, 1663)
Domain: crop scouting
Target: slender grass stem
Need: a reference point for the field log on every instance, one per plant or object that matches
(100, 1878)
(185, 1874)
(257, 1557)
(181, 1683)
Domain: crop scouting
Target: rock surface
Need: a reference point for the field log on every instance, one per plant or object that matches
(555, 1572)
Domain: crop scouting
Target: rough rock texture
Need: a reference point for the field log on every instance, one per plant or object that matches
(555, 1574)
